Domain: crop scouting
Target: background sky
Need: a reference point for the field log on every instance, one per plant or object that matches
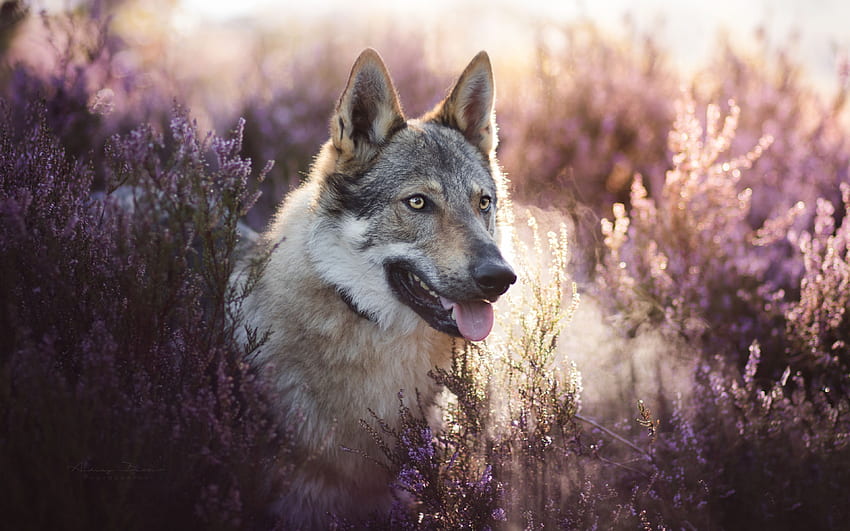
(815, 31)
(686, 29)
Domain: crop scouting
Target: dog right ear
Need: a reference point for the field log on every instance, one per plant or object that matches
(368, 111)
(469, 107)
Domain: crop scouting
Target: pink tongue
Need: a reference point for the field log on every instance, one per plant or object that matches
(474, 319)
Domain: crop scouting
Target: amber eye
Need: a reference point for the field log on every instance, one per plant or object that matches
(416, 202)
(484, 203)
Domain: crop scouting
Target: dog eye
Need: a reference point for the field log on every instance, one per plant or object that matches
(416, 202)
(484, 203)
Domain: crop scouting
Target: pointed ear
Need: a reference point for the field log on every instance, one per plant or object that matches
(469, 107)
(368, 111)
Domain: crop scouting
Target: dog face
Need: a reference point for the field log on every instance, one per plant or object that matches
(411, 205)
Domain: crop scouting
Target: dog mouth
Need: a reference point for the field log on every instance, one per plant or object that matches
(470, 319)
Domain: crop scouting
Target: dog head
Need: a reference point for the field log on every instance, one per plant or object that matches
(408, 207)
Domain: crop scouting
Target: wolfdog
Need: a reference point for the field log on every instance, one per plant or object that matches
(378, 262)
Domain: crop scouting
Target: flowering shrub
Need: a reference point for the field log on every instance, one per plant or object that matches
(672, 259)
(767, 446)
(808, 129)
(690, 262)
(596, 112)
(818, 322)
(123, 388)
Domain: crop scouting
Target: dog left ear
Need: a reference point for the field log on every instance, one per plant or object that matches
(469, 107)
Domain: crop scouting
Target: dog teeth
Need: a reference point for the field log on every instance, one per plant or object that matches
(453, 314)
(422, 283)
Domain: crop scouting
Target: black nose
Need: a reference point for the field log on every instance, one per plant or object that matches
(493, 277)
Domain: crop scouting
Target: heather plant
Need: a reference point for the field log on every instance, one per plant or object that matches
(535, 391)
(810, 154)
(688, 260)
(87, 77)
(125, 400)
(561, 468)
(78, 53)
(441, 480)
(594, 112)
(818, 324)
(760, 451)
(288, 122)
